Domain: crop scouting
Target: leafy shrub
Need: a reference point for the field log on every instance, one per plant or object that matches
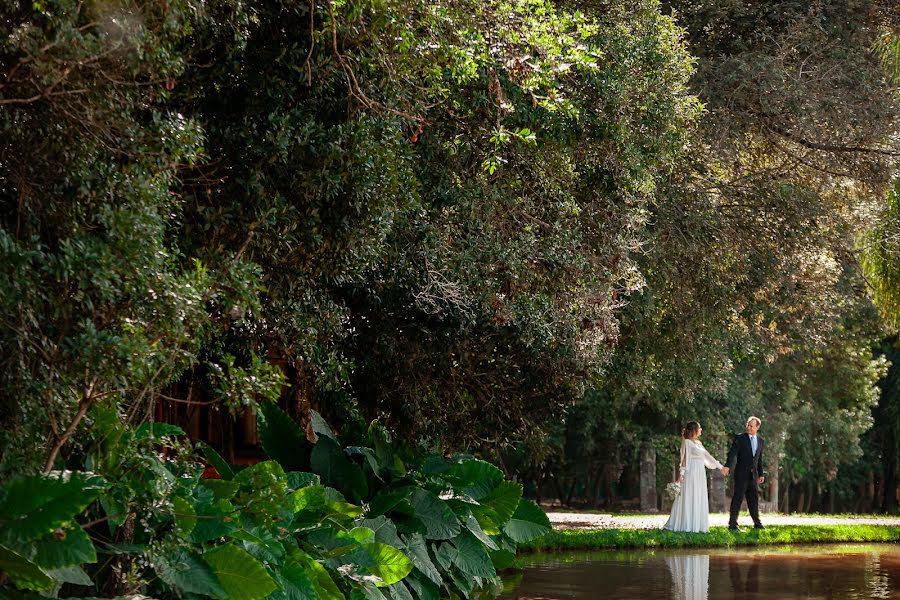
(319, 521)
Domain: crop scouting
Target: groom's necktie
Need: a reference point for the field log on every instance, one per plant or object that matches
(753, 444)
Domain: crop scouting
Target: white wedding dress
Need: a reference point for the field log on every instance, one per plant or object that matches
(690, 511)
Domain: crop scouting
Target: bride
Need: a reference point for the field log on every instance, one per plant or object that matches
(690, 511)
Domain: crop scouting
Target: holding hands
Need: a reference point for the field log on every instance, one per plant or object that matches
(725, 471)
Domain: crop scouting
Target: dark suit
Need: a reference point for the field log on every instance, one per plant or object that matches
(746, 468)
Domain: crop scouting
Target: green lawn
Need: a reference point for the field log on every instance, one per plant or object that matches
(597, 539)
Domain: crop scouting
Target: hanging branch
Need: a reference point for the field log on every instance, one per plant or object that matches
(350, 77)
(83, 406)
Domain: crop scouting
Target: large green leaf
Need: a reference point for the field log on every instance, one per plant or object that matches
(23, 573)
(528, 523)
(387, 500)
(471, 557)
(261, 543)
(267, 473)
(335, 541)
(391, 565)
(321, 580)
(301, 479)
(474, 478)
(330, 462)
(474, 527)
(214, 520)
(399, 591)
(64, 548)
(311, 497)
(215, 459)
(370, 459)
(424, 588)
(188, 572)
(435, 464)
(185, 516)
(504, 499)
(464, 583)
(282, 438)
(385, 530)
(320, 426)
(34, 506)
(365, 591)
(440, 522)
(487, 518)
(417, 552)
(75, 575)
(341, 509)
(240, 575)
(222, 489)
(363, 535)
(295, 582)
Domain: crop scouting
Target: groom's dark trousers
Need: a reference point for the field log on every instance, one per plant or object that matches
(745, 467)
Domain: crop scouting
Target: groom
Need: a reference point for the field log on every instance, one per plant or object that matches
(745, 459)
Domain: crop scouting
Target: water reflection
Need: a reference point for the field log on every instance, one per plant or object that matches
(690, 576)
(849, 572)
(744, 578)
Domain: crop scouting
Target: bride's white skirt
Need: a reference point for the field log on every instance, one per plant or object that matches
(690, 511)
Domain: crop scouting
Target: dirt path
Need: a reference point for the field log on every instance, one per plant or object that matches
(573, 520)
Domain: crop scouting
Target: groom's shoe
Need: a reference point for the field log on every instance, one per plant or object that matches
(759, 526)
(735, 529)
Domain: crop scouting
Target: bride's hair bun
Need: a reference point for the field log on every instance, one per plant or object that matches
(690, 428)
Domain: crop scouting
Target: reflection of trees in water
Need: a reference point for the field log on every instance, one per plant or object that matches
(781, 576)
(836, 573)
(883, 575)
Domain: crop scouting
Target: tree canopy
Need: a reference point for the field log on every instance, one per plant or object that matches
(511, 228)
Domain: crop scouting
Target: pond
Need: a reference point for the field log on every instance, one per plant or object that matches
(842, 572)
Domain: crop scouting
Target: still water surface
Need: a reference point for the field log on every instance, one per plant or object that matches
(846, 572)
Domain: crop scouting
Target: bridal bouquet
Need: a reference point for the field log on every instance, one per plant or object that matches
(673, 490)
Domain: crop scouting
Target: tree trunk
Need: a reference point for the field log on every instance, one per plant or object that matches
(571, 491)
(648, 479)
(773, 482)
(717, 498)
(557, 485)
(877, 498)
(786, 501)
(889, 487)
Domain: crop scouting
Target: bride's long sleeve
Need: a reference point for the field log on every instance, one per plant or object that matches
(682, 466)
(708, 459)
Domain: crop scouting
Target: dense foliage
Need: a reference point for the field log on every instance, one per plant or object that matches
(323, 521)
(542, 232)
(430, 212)
(755, 300)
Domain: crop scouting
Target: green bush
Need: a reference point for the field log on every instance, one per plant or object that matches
(340, 522)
